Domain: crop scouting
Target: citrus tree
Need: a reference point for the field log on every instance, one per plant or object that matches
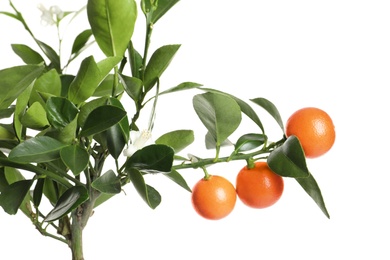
(58, 131)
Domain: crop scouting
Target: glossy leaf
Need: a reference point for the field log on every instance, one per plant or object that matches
(35, 117)
(68, 201)
(245, 108)
(147, 193)
(162, 7)
(28, 55)
(311, 187)
(133, 86)
(154, 158)
(60, 111)
(178, 139)
(124, 123)
(48, 83)
(271, 109)
(80, 41)
(135, 60)
(289, 160)
(75, 158)
(37, 149)
(157, 64)
(108, 183)
(220, 114)
(115, 140)
(101, 119)
(65, 135)
(86, 81)
(51, 55)
(107, 18)
(13, 195)
(105, 87)
(176, 177)
(248, 142)
(38, 192)
(88, 107)
(14, 80)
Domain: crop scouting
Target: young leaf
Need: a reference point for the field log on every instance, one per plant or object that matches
(107, 18)
(147, 193)
(80, 41)
(102, 118)
(178, 139)
(158, 63)
(37, 149)
(68, 201)
(107, 183)
(106, 65)
(28, 55)
(75, 157)
(14, 80)
(220, 114)
(154, 158)
(248, 142)
(51, 55)
(271, 109)
(162, 7)
(181, 87)
(289, 160)
(60, 111)
(13, 195)
(311, 187)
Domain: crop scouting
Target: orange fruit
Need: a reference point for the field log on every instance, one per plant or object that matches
(314, 129)
(259, 187)
(213, 198)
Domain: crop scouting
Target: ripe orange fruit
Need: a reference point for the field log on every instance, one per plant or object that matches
(314, 129)
(259, 187)
(213, 198)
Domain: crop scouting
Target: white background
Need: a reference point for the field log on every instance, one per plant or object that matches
(334, 55)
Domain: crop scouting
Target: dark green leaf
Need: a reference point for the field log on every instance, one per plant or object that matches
(88, 107)
(81, 41)
(177, 178)
(157, 64)
(178, 139)
(115, 140)
(220, 114)
(7, 112)
(249, 141)
(147, 193)
(13, 195)
(107, 19)
(101, 119)
(65, 135)
(135, 60)
(289, 159)
(103, 197)
(68, 201)
(75, 157)
(37, 149)
(38, 192)
(271, 109)
(60, 111)
(133, 86)
(154, 158)
(66, 80)
(28, 55)
(108, 183)
(13, 81)
(124, 123)
(311, 187)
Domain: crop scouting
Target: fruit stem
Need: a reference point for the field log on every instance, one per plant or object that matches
(250, 163)
(206, 174)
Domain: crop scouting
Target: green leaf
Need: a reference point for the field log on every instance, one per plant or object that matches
(178, 139)
(181, 87)
(38, 192)
(75, 158)
(106, 65)
(88, 107)
(311, 187)
(13, 81)
(107, 19)
(289, 159)
(13, 195)
(115, 140)
(154, 158)
(271, 109)
(6, 132)
(20, 108)
(147, 193)
(60, 111)
(35, 117)
(157, 64)
(65, 135)
(135, 60)
(108, 183)
(51, 55)
(220, 114)
(28, 55)
(105, 87)
(245, 108)
(178, 179)
(37, 149)
(248, 142)
(68, 201)
(7, 112)
(101, 119)
(124, 123)
(48, 83)
(81, 41)
(87, 80)
(133, 86)
(162, 7)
